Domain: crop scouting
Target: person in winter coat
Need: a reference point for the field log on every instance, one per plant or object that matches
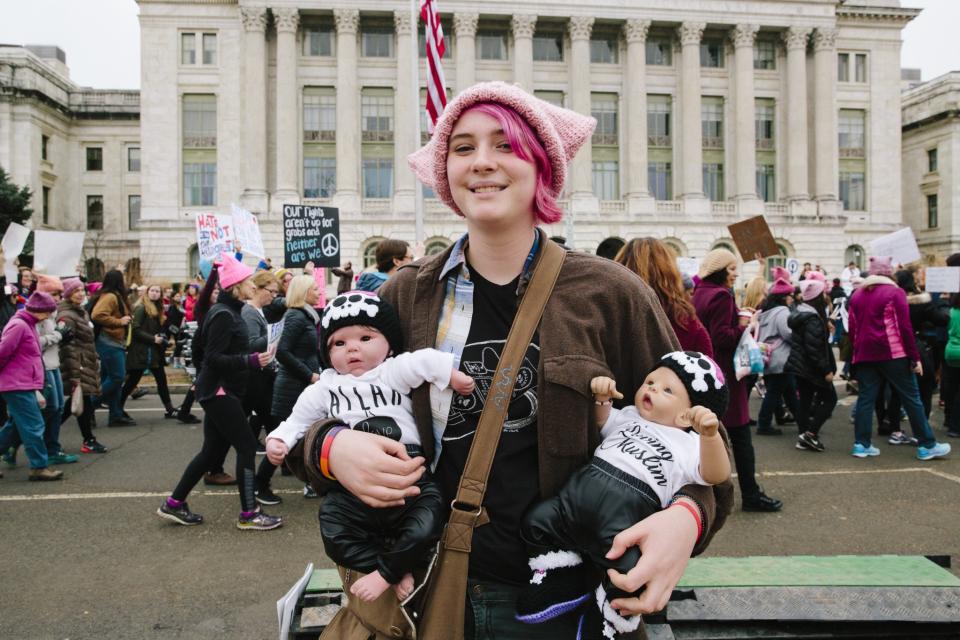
(717, 310)
(391, 255)
(298, 352)
(21, 379)
(79, 364)
(345, 275)
(190, 300)
(147, 347)
(774, 331)
(884, 349)
(812, 364)
(112, 315)
(221, 387)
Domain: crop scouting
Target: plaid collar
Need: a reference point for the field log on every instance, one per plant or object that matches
(458, 258)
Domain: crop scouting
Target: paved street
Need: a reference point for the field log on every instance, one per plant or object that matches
(87, 557)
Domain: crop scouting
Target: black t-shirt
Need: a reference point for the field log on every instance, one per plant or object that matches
(513, 485)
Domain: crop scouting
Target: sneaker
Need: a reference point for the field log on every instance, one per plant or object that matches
(769, 431)
(308, 492)
(899, 437)
(860, 451)
(92, 446)
(810, 442)
(261, 449)
(121, 421)
(266, 496)
(180, 515)
(938, 450)
(221, 478)
(761, 502)
(259, 521)
(61, 457)
(953, 434)
(10, 457)
(45, 474)
(187, 418)
(786, 419)
(138, 393)
(559, 585)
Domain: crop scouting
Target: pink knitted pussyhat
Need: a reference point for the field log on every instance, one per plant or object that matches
(232, 270)
(811, 289)
(781, 282)
(881, 266)
(560, 131)
(816, 275)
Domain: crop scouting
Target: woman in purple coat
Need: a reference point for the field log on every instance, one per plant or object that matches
(717, 310)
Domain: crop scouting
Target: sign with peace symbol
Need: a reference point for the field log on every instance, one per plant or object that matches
(311, 234)
(329, 245)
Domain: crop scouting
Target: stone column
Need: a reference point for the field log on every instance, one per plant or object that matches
(465, 28)
(286, 20)
(581, 169)
(795, 39)
(255, 108)
(745, 146)
(635, 77)
(523, 28)
(825, 114)
(348, 111)
(691, 150)
(404, 130)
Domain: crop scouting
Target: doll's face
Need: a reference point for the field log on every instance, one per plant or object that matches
(357, 349)
(662, 398)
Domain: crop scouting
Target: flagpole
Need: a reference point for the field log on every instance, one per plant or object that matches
(415, 77)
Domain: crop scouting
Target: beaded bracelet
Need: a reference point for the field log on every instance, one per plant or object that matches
(324, 461)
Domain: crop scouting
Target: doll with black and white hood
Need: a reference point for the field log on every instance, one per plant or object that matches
(367, 387)
(667, 439)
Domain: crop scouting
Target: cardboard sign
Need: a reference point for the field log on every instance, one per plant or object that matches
(320, 277)
(943, 279)
(214, 234)
(793, 268)
(752, 236)
(246, 231)
(274, 331)
(311, 234)
(57, 253)
(900, 245)
(13, 241)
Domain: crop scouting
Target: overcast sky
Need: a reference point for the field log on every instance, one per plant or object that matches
(102, 37)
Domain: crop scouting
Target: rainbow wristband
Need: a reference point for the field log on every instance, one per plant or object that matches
(324, 461)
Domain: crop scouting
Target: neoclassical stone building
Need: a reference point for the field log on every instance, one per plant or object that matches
(709, 112)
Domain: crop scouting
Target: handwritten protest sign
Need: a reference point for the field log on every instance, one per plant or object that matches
(246, 231)
(900, 245)
(214, 234)
(57, 253)
(311, 234)
(943, 279)
(13, 241)
(274, 331)
(752, 236)
(792, 266)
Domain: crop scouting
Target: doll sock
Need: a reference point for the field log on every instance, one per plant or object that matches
(557, 586)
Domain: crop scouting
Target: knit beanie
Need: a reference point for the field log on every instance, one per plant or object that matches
(232, 271)
(811, 289)
(41, 302)
(560, 131)
(816, 275)
(781, 282)
(70, 285)
(714, 261)
(702, 378)
(360, 308)
(881, 266)
(49, 284)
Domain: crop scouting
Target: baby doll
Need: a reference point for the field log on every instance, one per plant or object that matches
(647, 453)
(366, 388)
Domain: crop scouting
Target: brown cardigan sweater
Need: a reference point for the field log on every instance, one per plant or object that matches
(107, 313)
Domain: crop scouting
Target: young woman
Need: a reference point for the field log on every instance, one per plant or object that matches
(193, 290)
(498, 158)
(221, 386)
(147, 348)
(112, 314)
(774, 331)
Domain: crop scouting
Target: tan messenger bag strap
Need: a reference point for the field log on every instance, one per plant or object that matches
(443, 616)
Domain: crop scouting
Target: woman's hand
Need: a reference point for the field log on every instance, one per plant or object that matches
(374, 468)
(265, 357)
(158, 339)
(666, 540)
(125, 320)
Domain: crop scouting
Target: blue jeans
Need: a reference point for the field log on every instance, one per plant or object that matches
(113, 368)
(25, 420)
(779, 386)
(900, 377)
(491, 611)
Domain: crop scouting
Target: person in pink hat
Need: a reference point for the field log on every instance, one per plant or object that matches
(498, 158)
(220, 387)
(774, 331)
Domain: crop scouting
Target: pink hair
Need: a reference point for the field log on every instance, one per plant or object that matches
(525, 144)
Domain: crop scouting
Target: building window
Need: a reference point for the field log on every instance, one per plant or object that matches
(711, 54)
(851, 128)
(209, 48)
(764, 119)
(548, 46)
(853, 190)
(660, 180)
(199, 121)
(766, 185)
(319, 177)
(854, 254)
(133, 211)
(44, 147)
(447, 41)
(553, 97)
(713, 181)
(603, 107)
(94, 158)
(199, 184)
(319, 115)
(376, 42)
(199, 150)
(94, 213)
(188, 48)
(604, 49)
(46, 205)
(376, 112)
(932, 160)
(318, 42)
(711, 118)
(491, 45)
(658, 121)
(843, 67)
(765, 55)
(435, 246)
(860, 67)
(932, 221)
(377, 177)
(779, 260)
(659, 51)
(133, 159)
(606, 179)
(370, 254)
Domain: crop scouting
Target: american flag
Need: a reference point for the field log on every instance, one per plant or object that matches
(436, 86)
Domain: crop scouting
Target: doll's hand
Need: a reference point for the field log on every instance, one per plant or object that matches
(604, 388)
(703, 421)
(461, 383)
(277, 450)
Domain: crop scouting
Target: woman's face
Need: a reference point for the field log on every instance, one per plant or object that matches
(313, 295)
(214, 295)
(153, 293)
(77, 296)
(733, 272)
(488, 181)
(167, 293)
(266, 294)
(177, 298)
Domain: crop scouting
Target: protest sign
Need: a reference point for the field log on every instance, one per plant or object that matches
(943, 279)
(246, 231)
(793, 268)
(13, 241)
(752, 236)
(320, 277)
(57, 253)
(214, 234)
(311, 234)
(688, 266)
(274, 331)
(900, 245)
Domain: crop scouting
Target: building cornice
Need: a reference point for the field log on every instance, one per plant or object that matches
(896, 15)
(187, 1)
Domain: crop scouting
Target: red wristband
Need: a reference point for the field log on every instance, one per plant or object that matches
(694, 513)
(324, 461)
